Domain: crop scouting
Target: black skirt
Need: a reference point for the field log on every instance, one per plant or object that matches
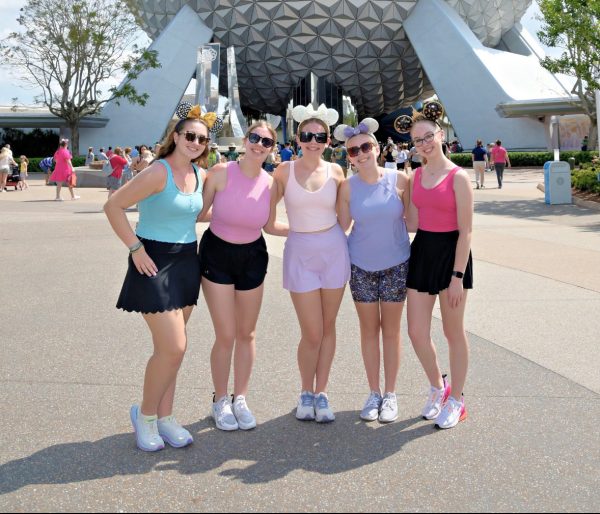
(176, 285)
(432, 262)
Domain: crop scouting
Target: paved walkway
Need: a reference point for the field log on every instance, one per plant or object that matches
(71, 365)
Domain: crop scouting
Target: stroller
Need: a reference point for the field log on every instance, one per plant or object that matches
(13, 177)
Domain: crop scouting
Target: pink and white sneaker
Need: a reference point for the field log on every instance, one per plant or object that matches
(452, 413)
(435, 400)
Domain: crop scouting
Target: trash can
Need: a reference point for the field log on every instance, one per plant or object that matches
(557, 182)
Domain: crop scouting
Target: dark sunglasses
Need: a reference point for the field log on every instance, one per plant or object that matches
(267, 142)
(320, 137)
(192, 136)
(353, 151)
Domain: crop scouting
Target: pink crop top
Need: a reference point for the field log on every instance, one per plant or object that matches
(310, 211)
(437, 206)
(241, 210)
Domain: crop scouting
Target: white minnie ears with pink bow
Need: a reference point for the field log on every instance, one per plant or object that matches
(302, 113)
(366, 126)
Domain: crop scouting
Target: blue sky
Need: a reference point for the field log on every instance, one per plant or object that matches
(10, 87)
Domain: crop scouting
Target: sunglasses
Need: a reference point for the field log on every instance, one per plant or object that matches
(418, 141)
(267, 142)
(192, 136)
(353, 151)
(320, 137)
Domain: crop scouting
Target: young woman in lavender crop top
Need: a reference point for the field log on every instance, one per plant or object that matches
(375, 199)
(233, 263)
(316, 264)
(163, 277)
(440, 265)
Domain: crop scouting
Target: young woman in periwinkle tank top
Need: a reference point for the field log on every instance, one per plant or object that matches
(375, 200)
(441, 205)
(316, 265)
(233, 263)
(163, 278)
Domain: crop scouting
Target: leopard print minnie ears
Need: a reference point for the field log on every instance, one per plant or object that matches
(432, 111)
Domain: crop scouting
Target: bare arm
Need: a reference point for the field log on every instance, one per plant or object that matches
(215, 181)
(343, 206)
(147, 183)
(274, 227)
(412, 213)
(463, 193)
(403, 189)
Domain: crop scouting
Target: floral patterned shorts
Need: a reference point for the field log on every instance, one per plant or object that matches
(388, 285)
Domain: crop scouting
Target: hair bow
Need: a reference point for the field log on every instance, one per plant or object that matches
(302, 113)
(366, 126)
(186, 110)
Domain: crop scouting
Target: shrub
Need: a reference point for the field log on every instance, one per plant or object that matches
(586, 179)
(35, 161)
(528, 159)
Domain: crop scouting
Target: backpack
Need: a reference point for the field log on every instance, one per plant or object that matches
(107, 168)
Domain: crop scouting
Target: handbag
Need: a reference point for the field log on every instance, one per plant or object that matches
(107, 168)
(72, 180)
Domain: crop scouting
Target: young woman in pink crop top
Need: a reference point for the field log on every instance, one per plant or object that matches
(233, 264)
(316, 265)
(440, 265)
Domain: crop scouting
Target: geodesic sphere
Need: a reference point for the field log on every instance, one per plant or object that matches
(359, 46)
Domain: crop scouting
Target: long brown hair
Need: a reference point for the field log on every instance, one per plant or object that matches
(168, 147)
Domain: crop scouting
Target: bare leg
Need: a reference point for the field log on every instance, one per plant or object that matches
(370, 325)
(453, 321)
(391, 316)
(419, 312)
(168, 335)
(58, 188)
(247, 308)
(331, 299)
(220, 299)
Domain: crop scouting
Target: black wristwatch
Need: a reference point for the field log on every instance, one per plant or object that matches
(458, 274)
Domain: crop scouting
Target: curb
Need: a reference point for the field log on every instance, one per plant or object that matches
(588, 204)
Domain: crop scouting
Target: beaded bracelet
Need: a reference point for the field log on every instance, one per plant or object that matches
(136, 247)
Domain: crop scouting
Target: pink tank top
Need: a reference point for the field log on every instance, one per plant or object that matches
(241, 210)
(437, 206)
(310, 211)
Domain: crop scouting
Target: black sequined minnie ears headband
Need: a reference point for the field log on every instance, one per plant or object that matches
(433, 111)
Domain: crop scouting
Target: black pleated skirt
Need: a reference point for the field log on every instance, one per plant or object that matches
(432, 262)
(176, 285)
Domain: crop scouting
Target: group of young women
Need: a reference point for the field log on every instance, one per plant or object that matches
(239, 199)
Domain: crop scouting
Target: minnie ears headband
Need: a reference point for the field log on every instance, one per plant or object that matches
(433, 111)
(345, 132)
(186, 110)
(301, 113)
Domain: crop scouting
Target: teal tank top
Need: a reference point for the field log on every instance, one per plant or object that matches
(170, 216)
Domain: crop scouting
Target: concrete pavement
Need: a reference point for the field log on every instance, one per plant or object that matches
(71, 365)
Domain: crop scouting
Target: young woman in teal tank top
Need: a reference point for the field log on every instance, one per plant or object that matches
(163, 279)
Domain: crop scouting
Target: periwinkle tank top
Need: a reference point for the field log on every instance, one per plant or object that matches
(170, 216)
(379, 239)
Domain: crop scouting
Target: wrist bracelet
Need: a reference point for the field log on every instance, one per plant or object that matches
(136, 247)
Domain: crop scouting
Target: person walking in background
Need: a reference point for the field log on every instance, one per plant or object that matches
(316, 265)
(402, 156)
(480, 163)
(23, 172)
(127, 170)
(584, 144)
(414, 158)
(163, 276)
(441, 207)
(500, 159)
(6, 161)
(375, 199)
(89, 158)
(214, 156)
(101, 155)
(340, 157)
(232, 154)
(233, 264)
(46, 166)
(63, 170)
(118, 163)
(286, 153)
(109, 152)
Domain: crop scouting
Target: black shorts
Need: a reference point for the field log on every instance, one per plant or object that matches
(243, 265)
(432, 261)
(176, 285)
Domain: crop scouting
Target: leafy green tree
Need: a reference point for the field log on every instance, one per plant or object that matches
(574, 27)
(69, 48)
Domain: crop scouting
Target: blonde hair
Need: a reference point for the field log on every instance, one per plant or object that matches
(314, 120)
(264, 124)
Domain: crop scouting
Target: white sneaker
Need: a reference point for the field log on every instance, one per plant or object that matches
(76, 197)
(146, 431)
(173, 432)
(305, 411)
(453, 412)
(58, 199)
(389, 408)
(244, 417)
(370, 411)
(323, 413)
(223, 415)
(435, 400)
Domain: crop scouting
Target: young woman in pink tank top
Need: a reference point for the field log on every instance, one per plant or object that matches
(233, 264)
(440, 264)
(316, 265)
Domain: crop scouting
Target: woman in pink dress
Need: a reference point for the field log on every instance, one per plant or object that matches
(63, 170)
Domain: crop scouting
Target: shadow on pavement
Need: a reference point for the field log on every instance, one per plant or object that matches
(274, 449)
